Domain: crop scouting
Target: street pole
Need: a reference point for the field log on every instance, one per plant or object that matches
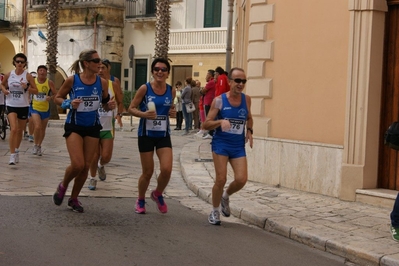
(229, 45)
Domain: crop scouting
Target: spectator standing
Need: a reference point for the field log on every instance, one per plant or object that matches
(186, 99)
(209, 95)
(195, 98)
(40, 108)
(178, 105)
(222, 82)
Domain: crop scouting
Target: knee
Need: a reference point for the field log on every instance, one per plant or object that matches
(241, 182)
(166, 171)
(220, 181)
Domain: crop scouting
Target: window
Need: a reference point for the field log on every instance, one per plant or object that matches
(213, 13)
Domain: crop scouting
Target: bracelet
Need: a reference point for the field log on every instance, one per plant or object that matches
(250, 130)
(119, 114)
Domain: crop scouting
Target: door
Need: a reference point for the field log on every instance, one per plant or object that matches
(181, 73)
(388, 167)
(140, 72)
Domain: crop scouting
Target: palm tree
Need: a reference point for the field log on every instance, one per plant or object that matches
(162, 25)
(52, 47)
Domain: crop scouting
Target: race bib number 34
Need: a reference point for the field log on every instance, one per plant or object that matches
(158, 124)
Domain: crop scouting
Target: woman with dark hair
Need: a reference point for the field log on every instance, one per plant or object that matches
(17, 85)
(86, 91)
(178, 106)
(153, 103)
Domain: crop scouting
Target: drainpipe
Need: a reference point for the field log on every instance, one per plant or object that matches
(24, 25)
(229, 34)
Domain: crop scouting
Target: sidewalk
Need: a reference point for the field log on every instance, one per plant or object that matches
(355, 231)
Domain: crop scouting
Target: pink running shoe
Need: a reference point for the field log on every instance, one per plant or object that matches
(162, 208)
(140, 206)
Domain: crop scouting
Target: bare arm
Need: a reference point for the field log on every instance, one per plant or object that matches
(4, 84)
(210, 122)
(32, 84)
(52, 89)
(134, 104)
(250, 122)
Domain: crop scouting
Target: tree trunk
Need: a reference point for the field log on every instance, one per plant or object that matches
(162, 26)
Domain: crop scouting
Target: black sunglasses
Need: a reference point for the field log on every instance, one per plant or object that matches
(19, 62)
(94, 60)
(243, 81)
(163, 69)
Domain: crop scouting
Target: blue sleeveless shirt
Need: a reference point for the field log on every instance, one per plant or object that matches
(87, 112)
(235, 137)
(160, 127)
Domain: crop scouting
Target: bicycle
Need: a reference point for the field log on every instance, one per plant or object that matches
(3, 124)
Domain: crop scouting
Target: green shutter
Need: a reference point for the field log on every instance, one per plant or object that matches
(212, 13)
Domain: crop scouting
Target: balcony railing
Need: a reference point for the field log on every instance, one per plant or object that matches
(207, 40)
(140, 8)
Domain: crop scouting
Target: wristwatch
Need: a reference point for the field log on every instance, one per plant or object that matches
(250, 130)
(119, 114)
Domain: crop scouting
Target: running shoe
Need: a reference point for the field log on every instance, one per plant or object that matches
(34, 150)
(207, 136)
(75, 205)
(30, 137)
(394, 233)
(39, 151)
(92, 184)
(161, 205)
(225, 203)
(12, 159)
(140, 206)
(101, 173)
(214, 218)
(58, 196)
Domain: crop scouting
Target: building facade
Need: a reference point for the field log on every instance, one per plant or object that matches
(322, 79)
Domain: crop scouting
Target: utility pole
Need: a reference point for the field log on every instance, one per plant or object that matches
(229, 45)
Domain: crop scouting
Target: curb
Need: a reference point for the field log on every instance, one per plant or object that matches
(353, 248)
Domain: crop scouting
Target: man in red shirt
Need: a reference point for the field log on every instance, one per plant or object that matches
(222, 82)
(209, 94)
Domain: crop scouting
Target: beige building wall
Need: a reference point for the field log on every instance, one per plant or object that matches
(314, 70)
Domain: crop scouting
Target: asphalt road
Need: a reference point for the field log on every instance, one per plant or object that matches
(33, 231)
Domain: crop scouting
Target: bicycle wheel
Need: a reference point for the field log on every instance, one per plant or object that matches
(3, 128)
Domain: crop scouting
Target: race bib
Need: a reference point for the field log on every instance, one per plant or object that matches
(236, 126)
(90, 103)
(104, 113)
(159, 124)
(41, 97)
(17, 95)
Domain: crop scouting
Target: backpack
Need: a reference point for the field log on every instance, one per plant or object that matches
(391, 137)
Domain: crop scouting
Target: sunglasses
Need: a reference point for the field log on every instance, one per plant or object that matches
(19, 62)
(163, 69)
(94, 60)
(243, 81)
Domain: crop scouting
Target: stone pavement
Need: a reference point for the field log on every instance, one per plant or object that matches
(355, 231)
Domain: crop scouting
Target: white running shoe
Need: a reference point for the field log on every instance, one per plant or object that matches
(207, 136)
(39, 150)
(12, 159)
(214, 218)
(34, 150)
